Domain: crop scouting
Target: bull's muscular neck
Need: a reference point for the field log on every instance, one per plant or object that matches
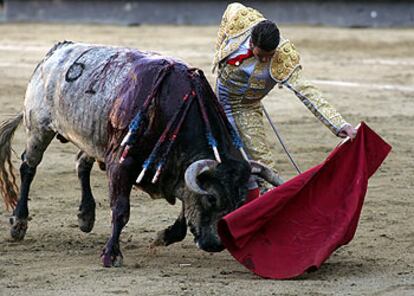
(191, 144)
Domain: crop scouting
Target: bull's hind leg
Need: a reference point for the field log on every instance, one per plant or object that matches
(121, 179)
(86, 215)
(32, 156)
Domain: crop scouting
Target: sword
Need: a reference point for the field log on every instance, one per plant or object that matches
(280, 139)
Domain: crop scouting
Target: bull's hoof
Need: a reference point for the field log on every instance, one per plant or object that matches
(112, 261)
(18, 228)
(86, 221)
(159, 240)
(172, 234)
(118, 261)
(111, 256)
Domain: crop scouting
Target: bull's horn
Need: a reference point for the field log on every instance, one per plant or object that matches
(265, 173)
(196, 169)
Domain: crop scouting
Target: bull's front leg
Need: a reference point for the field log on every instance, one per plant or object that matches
(173, 233)
(121, 180)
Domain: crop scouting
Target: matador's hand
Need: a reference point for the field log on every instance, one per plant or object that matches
(347, 131)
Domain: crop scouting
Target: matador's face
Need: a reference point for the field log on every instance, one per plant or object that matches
(263, 56)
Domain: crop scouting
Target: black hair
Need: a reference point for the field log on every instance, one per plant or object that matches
(265, 35)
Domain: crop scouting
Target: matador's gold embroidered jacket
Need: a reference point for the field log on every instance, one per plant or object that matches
(241, 87)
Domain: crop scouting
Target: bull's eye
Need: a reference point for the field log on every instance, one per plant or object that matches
(212, 201)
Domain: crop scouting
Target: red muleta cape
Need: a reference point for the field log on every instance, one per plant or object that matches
(297, 225)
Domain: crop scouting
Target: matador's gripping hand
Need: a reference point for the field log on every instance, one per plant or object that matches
(347, 131)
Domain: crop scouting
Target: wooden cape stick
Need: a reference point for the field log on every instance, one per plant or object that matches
(280, 139)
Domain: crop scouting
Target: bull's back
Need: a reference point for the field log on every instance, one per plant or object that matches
(72, 92)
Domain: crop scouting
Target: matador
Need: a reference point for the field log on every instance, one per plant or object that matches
(250, 59)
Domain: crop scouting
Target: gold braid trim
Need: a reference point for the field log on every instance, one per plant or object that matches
(285, 60)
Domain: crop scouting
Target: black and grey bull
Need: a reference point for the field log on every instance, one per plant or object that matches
(88, 95)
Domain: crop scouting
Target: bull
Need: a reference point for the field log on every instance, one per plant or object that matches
(89, 95)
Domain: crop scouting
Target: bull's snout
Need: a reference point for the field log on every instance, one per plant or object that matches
(210, 245)
(206, 238)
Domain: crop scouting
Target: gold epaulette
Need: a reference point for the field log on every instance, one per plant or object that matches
(285, 60)
(242, 20)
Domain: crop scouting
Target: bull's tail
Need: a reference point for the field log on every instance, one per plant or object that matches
(8, 187)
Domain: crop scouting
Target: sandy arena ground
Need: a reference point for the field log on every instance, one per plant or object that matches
(56, 258)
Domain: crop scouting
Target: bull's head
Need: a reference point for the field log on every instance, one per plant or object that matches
(214, 190)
